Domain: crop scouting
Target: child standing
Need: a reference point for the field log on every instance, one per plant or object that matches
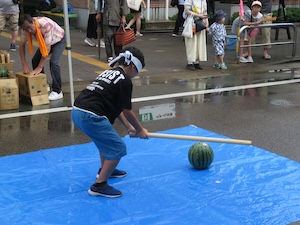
(251, 17)
(218, 31)
(97, 107)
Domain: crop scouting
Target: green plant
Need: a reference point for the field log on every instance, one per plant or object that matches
(173, 18)
(234, 16)
(292, 14)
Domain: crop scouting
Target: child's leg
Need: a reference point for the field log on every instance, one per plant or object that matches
(216, 59)
(107, 168)
(241, 49)
(221, 58)
(249, 48)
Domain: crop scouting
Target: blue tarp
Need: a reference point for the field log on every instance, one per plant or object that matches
(244, 185)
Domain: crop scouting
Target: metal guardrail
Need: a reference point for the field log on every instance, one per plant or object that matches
(273, 25)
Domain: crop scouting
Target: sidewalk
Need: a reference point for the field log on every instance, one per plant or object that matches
(165, 58)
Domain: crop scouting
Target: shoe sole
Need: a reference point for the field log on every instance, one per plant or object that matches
(93, 193)
(55, 99)
(90, 44)
(114, 176)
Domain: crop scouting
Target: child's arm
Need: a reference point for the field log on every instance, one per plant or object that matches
(130, 129)
(252, 23)
(130, 116)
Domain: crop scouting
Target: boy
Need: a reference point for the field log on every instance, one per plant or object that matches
(218, 31)
(96, 108)
(251, 17)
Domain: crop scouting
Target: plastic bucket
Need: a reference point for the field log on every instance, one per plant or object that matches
(230, 42)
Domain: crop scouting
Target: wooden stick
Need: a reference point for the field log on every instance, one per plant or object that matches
(199, 138)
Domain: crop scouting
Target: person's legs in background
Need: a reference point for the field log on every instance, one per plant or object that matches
(266, 37)
(91, 31)
(13, 20)
(179, 20)
(102, 44)
(56, 52)
(138, 24)
(110, 43)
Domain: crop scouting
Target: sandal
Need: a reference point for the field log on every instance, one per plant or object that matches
(138, 34)
(109, 59)
(267, 57)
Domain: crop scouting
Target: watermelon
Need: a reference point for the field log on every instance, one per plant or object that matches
(3, 71)
(200, 156)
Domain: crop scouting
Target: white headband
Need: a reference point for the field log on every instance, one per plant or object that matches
(129, 58)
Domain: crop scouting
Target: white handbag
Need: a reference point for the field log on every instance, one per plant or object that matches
(188, 27)
(134, 4)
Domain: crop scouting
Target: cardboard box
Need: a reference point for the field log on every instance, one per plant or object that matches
(9, 66)
(9, 93)
(33, 88)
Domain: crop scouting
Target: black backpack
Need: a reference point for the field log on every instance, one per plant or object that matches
(46, 5)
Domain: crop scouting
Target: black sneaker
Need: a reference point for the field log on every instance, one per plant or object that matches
(190, 67)
(12, 47)
(197, 66)
(103, 189)
(116, 174)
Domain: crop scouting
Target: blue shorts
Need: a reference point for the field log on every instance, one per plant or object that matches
(101, 132)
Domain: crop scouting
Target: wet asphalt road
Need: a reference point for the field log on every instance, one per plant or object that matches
(267, 115)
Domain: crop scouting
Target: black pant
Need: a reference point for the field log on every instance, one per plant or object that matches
(55, 54)
(91, 30)
(179, 20)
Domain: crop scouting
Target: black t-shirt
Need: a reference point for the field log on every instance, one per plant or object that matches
(107, 95)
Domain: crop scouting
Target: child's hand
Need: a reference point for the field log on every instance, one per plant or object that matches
(131, 132)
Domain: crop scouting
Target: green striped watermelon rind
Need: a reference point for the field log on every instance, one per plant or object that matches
(200, 155)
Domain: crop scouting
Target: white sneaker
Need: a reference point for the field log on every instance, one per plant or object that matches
(243, 60)
(102, 44)
(89, 42)
(55, 96)
(250, 59)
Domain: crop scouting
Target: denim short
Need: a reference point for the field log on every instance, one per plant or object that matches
(101, 132)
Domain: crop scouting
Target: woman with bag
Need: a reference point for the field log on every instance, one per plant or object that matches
(196, 46)
(137, 19)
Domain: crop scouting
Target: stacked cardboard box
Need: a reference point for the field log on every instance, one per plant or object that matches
(9, 93)
(33, 88)
(5, 61)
